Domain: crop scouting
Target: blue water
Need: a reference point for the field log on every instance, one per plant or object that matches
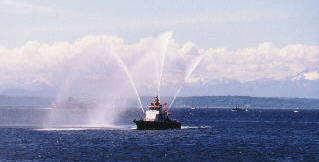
(207, 135)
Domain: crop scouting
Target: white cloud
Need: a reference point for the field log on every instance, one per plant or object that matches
(89, 63)
(194, 80)
(311, 75)
(261, 62)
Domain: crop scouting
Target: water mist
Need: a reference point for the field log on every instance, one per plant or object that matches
(187, 76)
(165, 42)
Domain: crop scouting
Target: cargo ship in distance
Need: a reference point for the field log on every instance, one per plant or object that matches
(155, 118)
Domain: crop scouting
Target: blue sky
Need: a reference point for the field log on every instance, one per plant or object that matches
(208, 23)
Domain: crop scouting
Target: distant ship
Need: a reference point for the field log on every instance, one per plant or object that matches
(238, 109)
(296, 110)
(155, 118)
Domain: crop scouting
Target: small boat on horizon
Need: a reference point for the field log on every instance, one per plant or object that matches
(155, 118)
(296, 110)
(238, 109)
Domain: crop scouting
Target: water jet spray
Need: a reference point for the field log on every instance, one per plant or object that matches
(129, 76)
(188, 74)
(167, 36)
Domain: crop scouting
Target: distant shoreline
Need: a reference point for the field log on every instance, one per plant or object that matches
(186, 102)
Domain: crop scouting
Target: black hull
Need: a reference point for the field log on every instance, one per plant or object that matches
(238, 109)
(150, 125)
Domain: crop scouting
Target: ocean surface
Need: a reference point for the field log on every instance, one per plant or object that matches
(206, 135)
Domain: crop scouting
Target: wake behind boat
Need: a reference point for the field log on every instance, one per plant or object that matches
(155, 118)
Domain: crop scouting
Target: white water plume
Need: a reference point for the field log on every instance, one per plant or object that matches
(108, 56)
(166, 38)
(129, 76)
(108, 106)
(187, 76)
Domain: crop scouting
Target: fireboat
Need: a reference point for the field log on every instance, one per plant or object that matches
(155, 118)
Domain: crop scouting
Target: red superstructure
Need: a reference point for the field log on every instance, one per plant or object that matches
(156, 117)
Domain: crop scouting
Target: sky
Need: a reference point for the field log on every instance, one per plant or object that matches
(210, 24)
(256, 48)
